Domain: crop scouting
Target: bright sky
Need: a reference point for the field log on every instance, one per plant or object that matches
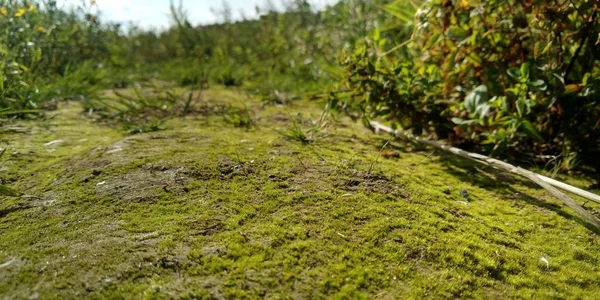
(153, 13)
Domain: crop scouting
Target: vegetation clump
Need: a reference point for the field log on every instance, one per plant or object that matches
(503, 77)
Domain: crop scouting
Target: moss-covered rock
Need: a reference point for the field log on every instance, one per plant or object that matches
(204, 209)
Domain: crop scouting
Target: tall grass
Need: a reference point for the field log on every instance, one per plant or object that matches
(42, 48)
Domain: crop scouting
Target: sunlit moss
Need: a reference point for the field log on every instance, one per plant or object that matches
(207, 210)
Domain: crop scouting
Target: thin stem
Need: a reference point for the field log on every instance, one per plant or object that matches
(378, 156)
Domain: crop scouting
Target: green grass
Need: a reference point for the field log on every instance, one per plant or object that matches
(203, 209)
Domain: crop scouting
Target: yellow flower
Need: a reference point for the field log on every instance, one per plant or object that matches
(3, 11)
(20, 12)
(40, 29)
(32, 8)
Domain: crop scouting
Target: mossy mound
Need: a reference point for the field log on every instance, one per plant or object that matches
(205, 209)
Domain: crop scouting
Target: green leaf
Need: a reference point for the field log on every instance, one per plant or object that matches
(482, 111)
(495, 102)
(416, 3)
(584, 81)
(530, 129)
(514, 73)
(456, 33)
(521, 107)
(405, 13)
(546, 48)
(525, 70)
(450, 60)
(474, 58)
(477, 97)
(432, 41)
(376, 34)
(559, 77)
(537, 85)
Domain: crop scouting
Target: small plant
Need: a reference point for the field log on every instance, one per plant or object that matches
(144, 127)
(296, 132)
(239, 117)
(140, 112)
(193, 77)
(188, 103)
(230, 76)
(378, 156)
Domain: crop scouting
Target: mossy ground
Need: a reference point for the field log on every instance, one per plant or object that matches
(207, 210)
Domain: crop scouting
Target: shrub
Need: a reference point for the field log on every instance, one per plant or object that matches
(38, 45)
(505, 76)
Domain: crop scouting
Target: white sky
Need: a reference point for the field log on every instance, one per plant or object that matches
(153, 13)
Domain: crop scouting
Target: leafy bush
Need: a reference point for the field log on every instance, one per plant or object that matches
(505, 76)
(48, 53)
(288, 51)
(41, 44)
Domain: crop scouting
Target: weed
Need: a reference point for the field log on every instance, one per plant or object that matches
(140, 111)
(297, 133)
(570, 161)
(239, 117)
(188, 102)
(378, 156)
(144, 127)
(193, 77)
(230, 76)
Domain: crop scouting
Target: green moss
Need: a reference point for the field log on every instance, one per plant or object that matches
(205, 210)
